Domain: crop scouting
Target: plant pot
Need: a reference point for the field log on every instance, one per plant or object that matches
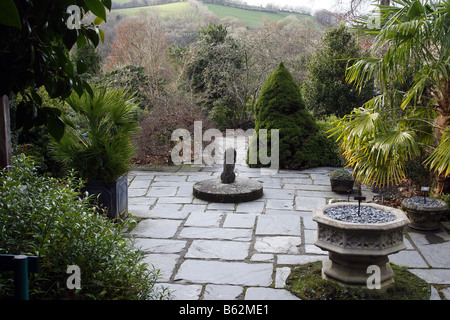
(113, 196)
(353, 247)
(341, 185)
(424, 214)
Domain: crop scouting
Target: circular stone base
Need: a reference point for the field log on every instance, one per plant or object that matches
(241, 190)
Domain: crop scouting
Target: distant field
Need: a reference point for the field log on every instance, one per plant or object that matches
(251, 17)
(163, 9)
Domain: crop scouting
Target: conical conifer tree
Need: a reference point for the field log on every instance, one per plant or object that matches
(280, 106)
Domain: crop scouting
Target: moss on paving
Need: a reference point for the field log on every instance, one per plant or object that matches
(305, 281)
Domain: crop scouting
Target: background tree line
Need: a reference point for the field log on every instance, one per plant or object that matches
(194, 66)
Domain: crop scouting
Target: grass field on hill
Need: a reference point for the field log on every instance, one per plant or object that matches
(250, 17)
(163, 9)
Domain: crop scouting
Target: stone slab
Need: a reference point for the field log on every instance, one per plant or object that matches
(313, 249)
(190, 208)
(446, 292)
(308, 222)
(435, 276)
(408, 258)
(166, 211)
(218, 272)
(307, 187)
(162, 191)
(184, 191)
(216, 233)
(269, 294)
(221, 206)
(160, 245)
(237, 220)
(304, 203)
(250, 207)
(156, 228)
(182, 291)
(281, 275)
(142, 201)
(287, 225)
(164, 262)
(175, 178)
(222, 292)
(309, 235)
(214, 249)
(432, 245)
(140, 184)
(272, 212)
(284, 204)
(136, 193)
(271, 193)
(203, 219)
(297, 181)
(278, 244)
(263, 257)
(291, 259)
(176, 200)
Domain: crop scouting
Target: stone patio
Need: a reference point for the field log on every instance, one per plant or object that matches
(246, 250)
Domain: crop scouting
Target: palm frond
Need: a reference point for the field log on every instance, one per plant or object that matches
(439, 160)
(97, 141)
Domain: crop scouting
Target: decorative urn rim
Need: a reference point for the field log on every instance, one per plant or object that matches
(362, 239)
(407, 205)
(354, 246)
(401, 219)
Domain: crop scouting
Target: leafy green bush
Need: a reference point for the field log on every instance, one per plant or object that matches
(45, 217)
(34, 140)
(301, 140)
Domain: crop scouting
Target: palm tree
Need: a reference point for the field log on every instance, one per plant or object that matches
(97, 142)
(411, 114)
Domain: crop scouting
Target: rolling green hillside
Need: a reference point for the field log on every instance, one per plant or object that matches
(163, 9)
(250, 17)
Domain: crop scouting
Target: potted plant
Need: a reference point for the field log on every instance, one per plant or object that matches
(357, 237)
(97, 143)
(341, 181)
(425, 213)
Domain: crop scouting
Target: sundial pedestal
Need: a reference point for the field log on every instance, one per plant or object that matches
(228, 189)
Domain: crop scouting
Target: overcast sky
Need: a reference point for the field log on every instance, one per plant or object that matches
(315, 5)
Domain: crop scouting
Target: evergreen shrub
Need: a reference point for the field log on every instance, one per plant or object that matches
(45, 217)
(303, 142)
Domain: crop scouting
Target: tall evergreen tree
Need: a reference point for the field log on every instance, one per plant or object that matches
(281, 106)
(326, 90)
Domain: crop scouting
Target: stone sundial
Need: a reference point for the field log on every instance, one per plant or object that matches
(229, 188)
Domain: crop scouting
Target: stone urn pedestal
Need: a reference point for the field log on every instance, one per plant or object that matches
(424, 213)
(356, 249)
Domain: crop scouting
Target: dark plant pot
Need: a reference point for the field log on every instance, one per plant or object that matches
(424, 215)
(113, 196)
(342, 186)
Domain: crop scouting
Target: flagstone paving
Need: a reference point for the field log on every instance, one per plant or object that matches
(245, 251)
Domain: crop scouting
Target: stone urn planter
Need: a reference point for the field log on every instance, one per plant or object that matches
(424, 213)
(356, 241)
